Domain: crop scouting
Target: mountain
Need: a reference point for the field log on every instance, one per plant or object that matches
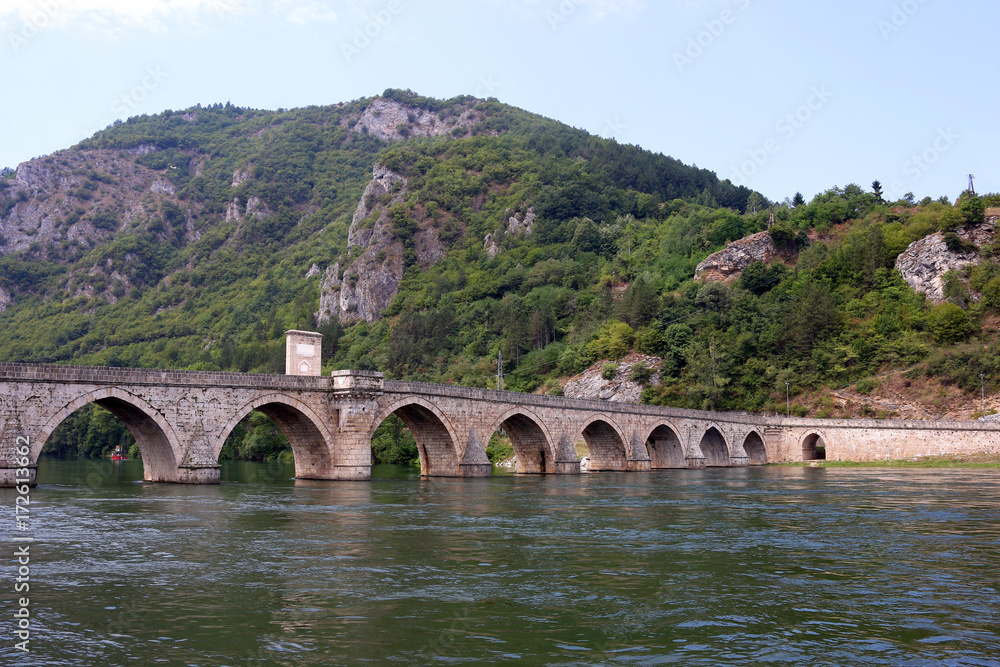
(424, 237)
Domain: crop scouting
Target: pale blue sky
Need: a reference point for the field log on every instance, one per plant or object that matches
(781, 96)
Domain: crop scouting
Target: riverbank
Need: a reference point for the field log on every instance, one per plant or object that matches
(953, 461)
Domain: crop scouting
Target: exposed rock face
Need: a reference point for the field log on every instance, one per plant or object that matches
(924, 263)
(392, 121)
(385, 184)
(255, 209)
(6, 300)
(510, 226)
(241, 176)
(729, 262)
(590, 385)
(164, 187)
(366, 286)
(59, 197)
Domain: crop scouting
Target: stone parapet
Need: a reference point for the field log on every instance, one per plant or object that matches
(153, 377)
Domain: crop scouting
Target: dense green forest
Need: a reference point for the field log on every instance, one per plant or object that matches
(607, 269)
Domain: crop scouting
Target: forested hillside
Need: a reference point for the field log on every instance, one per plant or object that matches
(194, 239)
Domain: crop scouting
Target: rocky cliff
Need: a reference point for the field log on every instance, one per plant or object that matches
(924, 263)
(511, 226)
(79, 198)
(728, 263)
(619, 389)
(390, 120)
(373, 268)
(370, 278)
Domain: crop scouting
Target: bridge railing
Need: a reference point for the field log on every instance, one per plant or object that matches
(145, 376)
(562, 402)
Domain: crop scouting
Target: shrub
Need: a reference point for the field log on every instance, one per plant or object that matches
(614, 341)
(641, 373)
(865, 386)
(949, 323)
(956, 243)
(609, 370)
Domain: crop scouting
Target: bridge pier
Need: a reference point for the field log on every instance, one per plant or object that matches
(197, 474)
(640, 465)
(566, 468)
(346, 473)
(10, 478)
(695, 462)
(475, 469)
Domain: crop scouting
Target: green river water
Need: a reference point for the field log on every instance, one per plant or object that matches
(760, 566)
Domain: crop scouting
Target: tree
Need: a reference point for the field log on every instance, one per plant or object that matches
(755, 202)
(972, 208)
(877, 191)
(587, 237)
(949, 323)
(759, 278)
(639, 304)
(798, 200)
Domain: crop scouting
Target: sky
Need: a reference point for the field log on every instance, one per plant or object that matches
(780, 96)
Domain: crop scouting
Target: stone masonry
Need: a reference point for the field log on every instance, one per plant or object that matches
(303, 353)
(181, 419)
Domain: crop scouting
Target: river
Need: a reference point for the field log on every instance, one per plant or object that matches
(772, 565)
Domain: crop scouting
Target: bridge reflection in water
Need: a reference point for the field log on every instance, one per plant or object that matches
(181, 419)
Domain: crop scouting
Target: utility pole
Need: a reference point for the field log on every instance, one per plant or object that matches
(972, 177)
(499, 370)
(788, 406)
(982, 389)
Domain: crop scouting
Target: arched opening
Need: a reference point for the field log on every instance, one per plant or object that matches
(96, 428)
(813, 448)
(754, 447)
(532, 454)
(605, 447)
(262, 436)
(435, 445)
(309, 448)
(393, 443)
(665, 449)
(714, 447)
(256, 440)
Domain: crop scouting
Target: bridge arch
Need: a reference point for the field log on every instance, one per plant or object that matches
(437, 442)
(665, 448)
(534, 448)
(312, 444)
(814, 446)
(714, 448)
(160, 448)
(753, 445)
(606, 443)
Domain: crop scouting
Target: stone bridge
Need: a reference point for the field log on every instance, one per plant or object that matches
(181, 419)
